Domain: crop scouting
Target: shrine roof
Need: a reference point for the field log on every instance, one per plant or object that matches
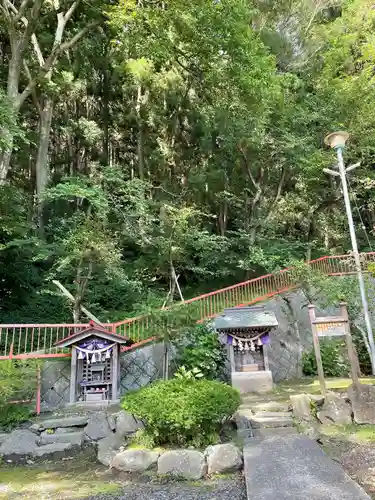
(246, 318)
(92, 330)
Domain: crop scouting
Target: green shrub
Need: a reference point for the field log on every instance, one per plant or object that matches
(200, 348)
(183, 411)
(11, 415)
(334, 359)
(17, 383)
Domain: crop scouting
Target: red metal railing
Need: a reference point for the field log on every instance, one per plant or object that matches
(17, 340)
(34, 340)
(246, 293)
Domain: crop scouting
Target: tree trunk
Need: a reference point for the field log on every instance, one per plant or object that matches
(41, 168)
(14, 72)
(140, 141)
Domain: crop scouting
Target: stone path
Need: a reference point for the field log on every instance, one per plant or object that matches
(280, 463)
(295, 468)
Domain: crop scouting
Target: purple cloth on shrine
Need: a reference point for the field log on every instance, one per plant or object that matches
(265, 339)
(93, 345)
(229, 340)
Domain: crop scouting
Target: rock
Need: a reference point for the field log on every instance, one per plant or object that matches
(65, 430)
(79, 421)
(74, 438)
(271, 419)
(108, 448)
(126, 424)
(3, 437)
(135, 460)
(311, 430)
(301, 405)
(34, 428)
(19, 443)
(97, 427)
(363, 403)
(50, 449)
(223, 458)
(335, 410)
(186, 464)
(317, 399)
(111, 422)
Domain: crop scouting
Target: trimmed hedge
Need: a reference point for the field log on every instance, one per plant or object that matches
(183, 412)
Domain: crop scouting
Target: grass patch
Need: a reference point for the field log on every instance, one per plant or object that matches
(351, 432)
(311, 385)
(46, 482)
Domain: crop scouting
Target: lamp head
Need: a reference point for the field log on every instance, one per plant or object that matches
(336, 139)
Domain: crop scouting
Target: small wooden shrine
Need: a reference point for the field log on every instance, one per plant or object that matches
(95, 367)
(246, 332)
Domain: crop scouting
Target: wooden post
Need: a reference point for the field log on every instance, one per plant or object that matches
(318, 356)
(73, 375)
(349, 343)
(231, 358)
(115, 372)
(265, 358)
(38, 391)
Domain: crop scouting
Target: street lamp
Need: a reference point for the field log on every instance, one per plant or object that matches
(337, 141)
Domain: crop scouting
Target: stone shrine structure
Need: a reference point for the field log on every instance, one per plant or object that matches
(246, 332)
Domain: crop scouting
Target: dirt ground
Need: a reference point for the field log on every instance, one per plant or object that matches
(352, 446)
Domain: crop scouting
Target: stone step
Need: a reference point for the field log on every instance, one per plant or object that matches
(50, 449)
(258, 421)
(273, 414)
(74, 438)
(273, 406)
(253, 398)
(78, 421)
(274, 431)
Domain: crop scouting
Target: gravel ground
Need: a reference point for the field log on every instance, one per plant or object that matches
(358, 460)
(233, 489)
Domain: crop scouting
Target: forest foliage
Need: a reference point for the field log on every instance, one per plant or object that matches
(144, 140)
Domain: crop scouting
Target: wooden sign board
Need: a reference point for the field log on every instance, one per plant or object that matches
(331, 329)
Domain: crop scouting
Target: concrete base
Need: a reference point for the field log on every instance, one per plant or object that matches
(259, 382)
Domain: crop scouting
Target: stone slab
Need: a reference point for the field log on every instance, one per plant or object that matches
(274, 406)
(98, 426)
(297, 469)
(54, 423)
(259, 421)
(19, 443)
(74, 438)
(51, 449)
(263, 432)
(273, 414)
(258, 382)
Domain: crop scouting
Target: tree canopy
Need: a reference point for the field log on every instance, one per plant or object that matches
(144, 142)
